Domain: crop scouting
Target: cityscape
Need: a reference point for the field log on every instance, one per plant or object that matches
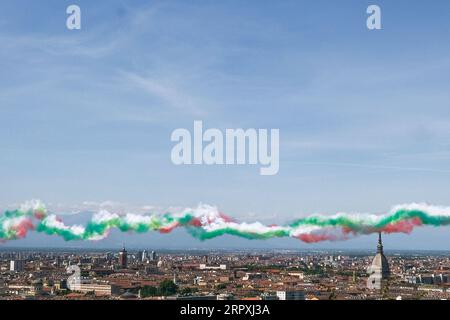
(183, 152)
(126, 274)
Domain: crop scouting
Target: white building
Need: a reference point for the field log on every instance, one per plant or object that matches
(99, 289)
(16, 265)
(206, 267)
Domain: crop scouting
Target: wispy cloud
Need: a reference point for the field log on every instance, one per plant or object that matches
(173, 96)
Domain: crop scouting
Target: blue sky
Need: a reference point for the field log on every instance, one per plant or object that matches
(364, 116)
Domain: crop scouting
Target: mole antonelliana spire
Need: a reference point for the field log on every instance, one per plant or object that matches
(380, 244)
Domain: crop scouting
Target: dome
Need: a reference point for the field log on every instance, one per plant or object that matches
(380, 265)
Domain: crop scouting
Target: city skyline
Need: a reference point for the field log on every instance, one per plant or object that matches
(222, 275)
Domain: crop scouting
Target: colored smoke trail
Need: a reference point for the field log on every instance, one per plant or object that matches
(206, 222)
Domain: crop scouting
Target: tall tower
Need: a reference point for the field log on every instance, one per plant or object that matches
(379, 269)
(153, 256)
(123, 258)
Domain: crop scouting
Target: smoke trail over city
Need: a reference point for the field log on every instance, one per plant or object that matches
(206, 222)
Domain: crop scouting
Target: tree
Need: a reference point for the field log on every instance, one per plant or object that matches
(167, 288)
(221, 286)
(149, 291)
(187, 291)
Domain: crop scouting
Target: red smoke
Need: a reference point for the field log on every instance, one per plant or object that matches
(39, 214)
(347, 230)
(405, 226)
(313, 238)
(195, 222)
(169, 228)
(22, 228)
(226, 218)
